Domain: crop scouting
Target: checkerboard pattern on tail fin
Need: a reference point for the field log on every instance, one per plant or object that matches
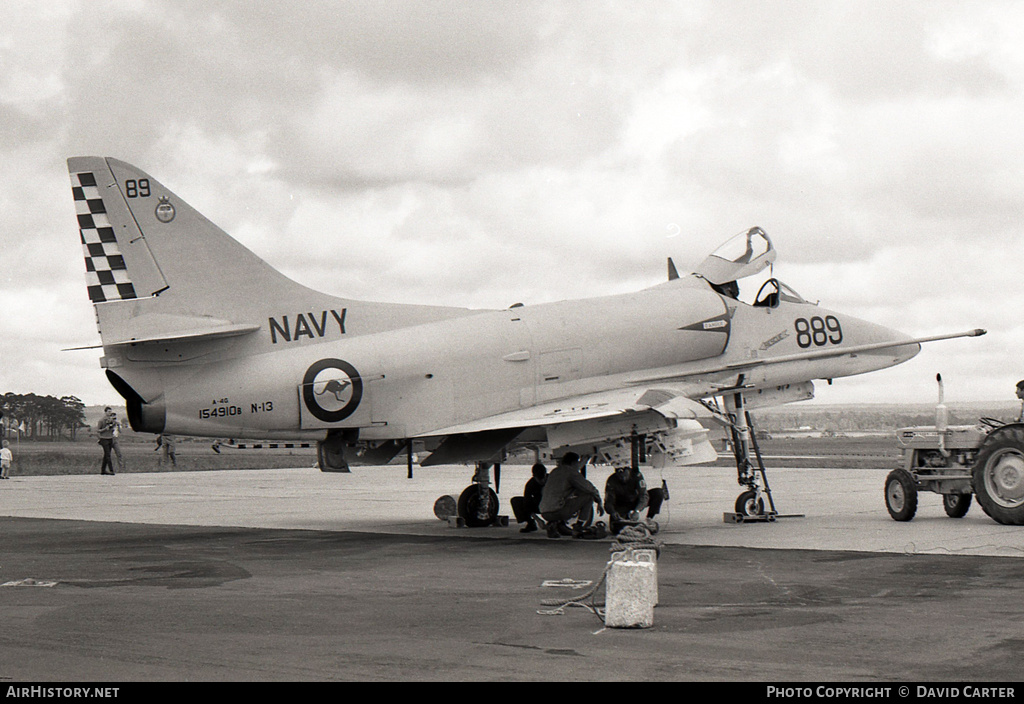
(105, 272)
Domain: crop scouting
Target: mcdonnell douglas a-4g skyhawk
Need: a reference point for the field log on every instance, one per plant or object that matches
(203, 338)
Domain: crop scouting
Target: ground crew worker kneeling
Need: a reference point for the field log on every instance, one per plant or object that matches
(567, 494)
(626, 495)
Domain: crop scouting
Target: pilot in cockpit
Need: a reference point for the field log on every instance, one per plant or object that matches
(730, 289)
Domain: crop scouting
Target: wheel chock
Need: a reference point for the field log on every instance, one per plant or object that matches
(460, 522)
(744, 518)
(763, 518)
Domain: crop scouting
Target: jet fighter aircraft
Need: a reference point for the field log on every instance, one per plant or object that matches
(203, 338)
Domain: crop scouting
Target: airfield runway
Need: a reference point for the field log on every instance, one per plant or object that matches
(298, 575)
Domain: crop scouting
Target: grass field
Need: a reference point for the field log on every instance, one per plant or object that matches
(867, 452)
(84, 456)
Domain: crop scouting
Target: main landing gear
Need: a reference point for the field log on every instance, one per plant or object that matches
(330, 452)
(478, 502)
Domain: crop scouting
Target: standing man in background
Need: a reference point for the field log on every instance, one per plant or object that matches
(106, 432)
(114, 444)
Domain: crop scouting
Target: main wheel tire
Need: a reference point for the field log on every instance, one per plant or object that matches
(330, 455)
(999, 475)
(956, 505)
(900, 495)
(749, 504)
(469, 507)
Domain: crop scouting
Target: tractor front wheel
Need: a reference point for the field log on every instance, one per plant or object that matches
(900, 495)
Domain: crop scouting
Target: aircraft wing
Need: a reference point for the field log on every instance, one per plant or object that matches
(671, 395)
(669, 400)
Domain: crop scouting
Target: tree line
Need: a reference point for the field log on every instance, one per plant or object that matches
(875, 417)
(42, 416)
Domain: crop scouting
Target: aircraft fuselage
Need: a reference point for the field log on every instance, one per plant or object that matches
(302, 373)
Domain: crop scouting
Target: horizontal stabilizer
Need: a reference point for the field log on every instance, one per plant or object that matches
(163, 328)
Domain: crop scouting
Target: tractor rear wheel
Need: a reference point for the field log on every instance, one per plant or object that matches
(900, 495)
(999, 475)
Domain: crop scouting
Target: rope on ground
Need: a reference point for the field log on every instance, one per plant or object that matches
(578, 601)
(638, 537)
(567, 583)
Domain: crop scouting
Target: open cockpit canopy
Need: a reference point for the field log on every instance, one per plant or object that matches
(741, 256)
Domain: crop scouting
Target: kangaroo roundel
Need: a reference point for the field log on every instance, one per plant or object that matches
(332, 390)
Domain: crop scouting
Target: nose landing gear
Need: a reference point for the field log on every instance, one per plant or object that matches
(755, 503)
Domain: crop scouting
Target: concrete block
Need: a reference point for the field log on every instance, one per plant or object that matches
(631, 588)
(641, 555)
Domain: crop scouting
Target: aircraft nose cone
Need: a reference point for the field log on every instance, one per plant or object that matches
(878, 347)
(905, 352)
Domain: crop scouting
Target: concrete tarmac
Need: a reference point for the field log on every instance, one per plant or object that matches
(298, 575)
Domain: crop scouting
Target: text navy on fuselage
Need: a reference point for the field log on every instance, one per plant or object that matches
(306, 325)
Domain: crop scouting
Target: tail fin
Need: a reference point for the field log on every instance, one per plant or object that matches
(106, 254)
(142, 240)
(158, 271)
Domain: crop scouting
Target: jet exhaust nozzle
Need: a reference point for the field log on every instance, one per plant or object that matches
(143, 417)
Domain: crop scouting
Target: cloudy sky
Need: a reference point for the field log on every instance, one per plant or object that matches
(484, 153)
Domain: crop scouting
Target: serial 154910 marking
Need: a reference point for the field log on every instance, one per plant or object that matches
(224, 409)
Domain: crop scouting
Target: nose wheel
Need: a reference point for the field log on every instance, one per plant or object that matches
(750, 503)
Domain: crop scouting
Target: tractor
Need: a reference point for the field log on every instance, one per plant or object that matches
(960, 461)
